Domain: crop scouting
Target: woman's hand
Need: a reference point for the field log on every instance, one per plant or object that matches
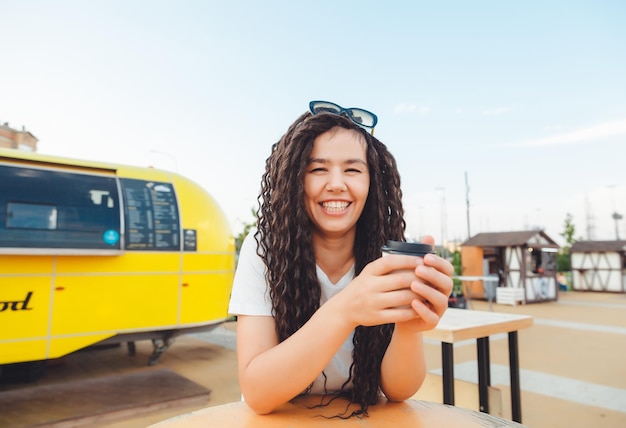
(432, 289)
(398, 289)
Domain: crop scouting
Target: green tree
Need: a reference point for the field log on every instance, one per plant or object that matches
(563, 260)
(569, 229)
(456, 263)
(246, 230)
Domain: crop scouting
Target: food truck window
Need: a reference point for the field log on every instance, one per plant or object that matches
(31, 216)
(50, 209)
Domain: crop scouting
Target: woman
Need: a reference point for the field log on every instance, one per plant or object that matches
(319, 311)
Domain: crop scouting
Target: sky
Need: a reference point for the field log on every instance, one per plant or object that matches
(502, 115)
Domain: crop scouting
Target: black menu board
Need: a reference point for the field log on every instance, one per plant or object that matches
(151, 215)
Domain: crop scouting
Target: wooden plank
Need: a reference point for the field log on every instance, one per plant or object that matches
(304, 413)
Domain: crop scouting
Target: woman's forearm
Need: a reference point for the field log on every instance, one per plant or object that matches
(403, 367)
(278, 374)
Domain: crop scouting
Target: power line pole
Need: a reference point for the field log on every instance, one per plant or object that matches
(590, 219)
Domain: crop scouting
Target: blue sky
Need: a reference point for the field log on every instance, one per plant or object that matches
(526, 98)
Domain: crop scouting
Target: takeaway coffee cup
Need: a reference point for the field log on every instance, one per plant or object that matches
(407, 248)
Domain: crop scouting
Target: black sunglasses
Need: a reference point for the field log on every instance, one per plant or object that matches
(361, 117)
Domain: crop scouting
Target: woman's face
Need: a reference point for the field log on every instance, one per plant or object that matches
(337, 181)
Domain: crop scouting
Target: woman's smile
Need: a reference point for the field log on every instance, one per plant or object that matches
(335, 206)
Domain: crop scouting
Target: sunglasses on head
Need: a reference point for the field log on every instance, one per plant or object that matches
(361, 117)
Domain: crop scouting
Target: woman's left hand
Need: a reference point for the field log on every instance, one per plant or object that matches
(432, 288)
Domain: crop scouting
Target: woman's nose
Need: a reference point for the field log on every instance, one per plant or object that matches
(336, 182)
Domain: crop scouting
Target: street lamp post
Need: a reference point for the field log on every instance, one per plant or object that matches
(443, 219)
(421, 221)
(616, 216)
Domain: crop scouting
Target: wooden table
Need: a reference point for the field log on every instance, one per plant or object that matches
(462, 324)
(411, 413)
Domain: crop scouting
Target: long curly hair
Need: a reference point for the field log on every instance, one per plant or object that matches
(284, 237)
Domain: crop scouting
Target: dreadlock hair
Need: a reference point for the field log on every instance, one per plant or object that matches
(284, 238)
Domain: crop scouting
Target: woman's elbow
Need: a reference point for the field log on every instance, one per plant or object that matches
(259, 405)
(398, 397)
(400, 393)
(261, 410)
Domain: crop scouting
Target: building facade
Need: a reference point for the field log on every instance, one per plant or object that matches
(13, 139)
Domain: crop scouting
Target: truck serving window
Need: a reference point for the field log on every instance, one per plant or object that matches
(48, 209)
(31, 216)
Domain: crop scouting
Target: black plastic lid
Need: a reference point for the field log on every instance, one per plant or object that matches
(409, 248)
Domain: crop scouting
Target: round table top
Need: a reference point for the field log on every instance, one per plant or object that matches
(299, 413)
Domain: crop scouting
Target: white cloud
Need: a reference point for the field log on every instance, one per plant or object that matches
(496, 111)
(553, 128)
(583, 135)
(405, 108)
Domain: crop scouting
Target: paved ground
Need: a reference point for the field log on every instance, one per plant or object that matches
(573, 371)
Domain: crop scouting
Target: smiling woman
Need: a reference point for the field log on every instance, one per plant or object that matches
(319, 311)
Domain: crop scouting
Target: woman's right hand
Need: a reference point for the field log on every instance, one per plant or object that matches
(381, 293)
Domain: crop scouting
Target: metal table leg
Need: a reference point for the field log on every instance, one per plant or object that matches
(516, 406)
(447, 364)
(484, 373)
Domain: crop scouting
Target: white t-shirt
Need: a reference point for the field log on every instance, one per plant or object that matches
(250, 296)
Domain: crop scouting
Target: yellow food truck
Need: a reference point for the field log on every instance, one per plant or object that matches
(96, 253)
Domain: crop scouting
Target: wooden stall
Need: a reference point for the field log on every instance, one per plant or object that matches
(599, 266)
(523, 262)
